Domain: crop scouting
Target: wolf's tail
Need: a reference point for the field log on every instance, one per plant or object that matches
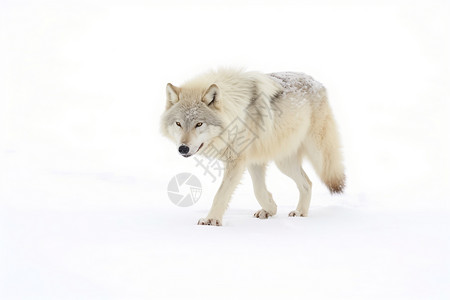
(323, 148)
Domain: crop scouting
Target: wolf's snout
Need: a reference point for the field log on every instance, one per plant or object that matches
(183, 149)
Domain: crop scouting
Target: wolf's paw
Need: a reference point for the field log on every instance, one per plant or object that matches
(262, 214)
(297, 213)
(213, 222)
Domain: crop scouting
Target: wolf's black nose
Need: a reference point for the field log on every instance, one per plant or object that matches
(183, 149)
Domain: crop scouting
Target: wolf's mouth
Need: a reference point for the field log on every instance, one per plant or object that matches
(188, 155)
(199, 148)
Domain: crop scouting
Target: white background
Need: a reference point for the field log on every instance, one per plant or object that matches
(84, 211)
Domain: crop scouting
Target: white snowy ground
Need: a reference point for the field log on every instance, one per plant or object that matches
(84, 210)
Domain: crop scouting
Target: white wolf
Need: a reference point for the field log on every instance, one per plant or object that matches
(247, 119)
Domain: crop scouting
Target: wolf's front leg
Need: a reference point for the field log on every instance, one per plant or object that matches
(232, 176)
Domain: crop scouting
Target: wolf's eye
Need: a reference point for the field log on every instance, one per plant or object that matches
(178, 124)
(199, 124)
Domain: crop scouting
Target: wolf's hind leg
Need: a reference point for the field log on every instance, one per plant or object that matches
(264, 197)
(292, 167)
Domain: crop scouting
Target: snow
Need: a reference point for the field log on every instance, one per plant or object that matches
(192, 113)
(297, 82)
(160, 253)
(84, 170)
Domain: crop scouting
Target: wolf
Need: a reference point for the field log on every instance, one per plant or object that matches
(248, 119)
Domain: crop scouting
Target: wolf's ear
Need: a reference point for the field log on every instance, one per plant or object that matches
(211, 96)
(172, 93)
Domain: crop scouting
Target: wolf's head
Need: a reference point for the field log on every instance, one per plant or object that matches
(191, 118)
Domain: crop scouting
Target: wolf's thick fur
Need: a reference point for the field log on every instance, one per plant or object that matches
(247, 119)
